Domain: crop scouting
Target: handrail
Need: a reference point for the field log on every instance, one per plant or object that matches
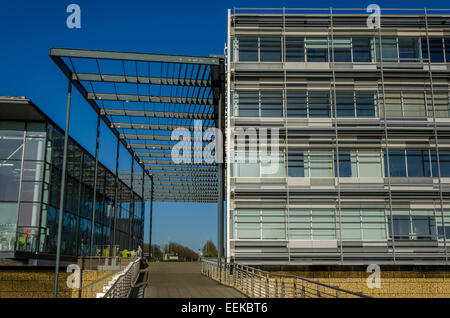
(258, 283)
(123, 283)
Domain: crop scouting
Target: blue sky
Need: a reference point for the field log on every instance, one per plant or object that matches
(29, 28)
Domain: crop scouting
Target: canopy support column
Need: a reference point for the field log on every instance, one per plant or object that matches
(62, 190)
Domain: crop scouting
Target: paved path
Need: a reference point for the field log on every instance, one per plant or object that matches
(182, 280)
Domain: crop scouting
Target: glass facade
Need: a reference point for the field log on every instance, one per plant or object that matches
(346, 49)
(363, 154)
(30, 169)
(349, 104)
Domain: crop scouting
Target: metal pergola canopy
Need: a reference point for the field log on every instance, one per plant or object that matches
(143, 98)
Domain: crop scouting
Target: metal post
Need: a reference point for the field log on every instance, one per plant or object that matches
(436, 138)
(131, 209)
(151, 219)
(143, 209)
(260, 285)
(276, 288)
(80, 188)
(334, 107)
(94, 200)
(115, 193)
(253, 283)
(233, 277)
(295, 288)
(61, 195)
(386, 141)
(220, 190)
(303, 289)
(242, 273)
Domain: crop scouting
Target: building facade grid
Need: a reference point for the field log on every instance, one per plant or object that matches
(363, 147)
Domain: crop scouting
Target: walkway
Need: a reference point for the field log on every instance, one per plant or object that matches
(182, 280)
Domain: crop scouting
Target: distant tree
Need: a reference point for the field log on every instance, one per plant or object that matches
(157, 254)
(184, 253)
(209, 249)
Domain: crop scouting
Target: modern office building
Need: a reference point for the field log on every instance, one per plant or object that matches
(31, 148)
(363, 117)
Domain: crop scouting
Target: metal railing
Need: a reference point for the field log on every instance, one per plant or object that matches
(104, 263)
(257, 283)
(120, 286)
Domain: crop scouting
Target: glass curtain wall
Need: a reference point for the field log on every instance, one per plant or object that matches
(30, 169)
(346, 49)
(22, 150)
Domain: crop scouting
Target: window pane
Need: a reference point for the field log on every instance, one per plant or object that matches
(271, 104)
(34, 148)
(11, 143)
(440, 226)
(342, 50)
(32, 171)
(300, 224)
(246, 164)
(319, 105)
(10, 177)
(409, 49)
(401, 227)
(417, 162)
(424, 227)
(248, 224)
(270, 49)
(296, 164)
(351, 224)
(369, 163)
(414, 104)
(248, 49)
(365, 105)
(374, 224)
(344, 105)
(296, 104)
(441, 104)
(397, 164)
(8, 221)
(317, 49)
(272, 164)
(362, 51)
(248, 104)
(323, 224)
(273, 224)
(393, 105)
(389, 49)
(444, 160)
(295, 49)
(321, 163)
(29, 214)
(447, 49)
(436, 50)
(345, 164)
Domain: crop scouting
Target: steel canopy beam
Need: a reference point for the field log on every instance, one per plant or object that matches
(156, 114)
(180, 174)
(144, 57)
(145, 137)
(150, 99)
(60, 63)
(141, 79)
(183, 168)
(164, 162)
(203, 78)
(169, 127)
